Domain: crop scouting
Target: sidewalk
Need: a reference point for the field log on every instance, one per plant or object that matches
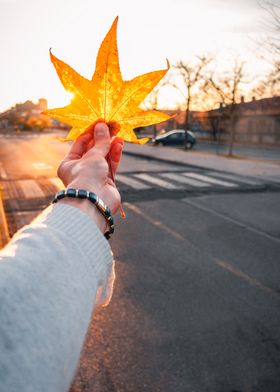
(204, 160)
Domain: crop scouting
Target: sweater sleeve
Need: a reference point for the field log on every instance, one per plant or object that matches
(50, 276)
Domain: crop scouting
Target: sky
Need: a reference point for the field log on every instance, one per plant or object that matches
(149, 31)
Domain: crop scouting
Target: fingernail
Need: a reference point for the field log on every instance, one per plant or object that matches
(100, 130)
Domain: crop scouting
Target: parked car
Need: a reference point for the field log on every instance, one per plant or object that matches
(175, 138)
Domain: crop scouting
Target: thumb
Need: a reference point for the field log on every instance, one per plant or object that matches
(102, 139)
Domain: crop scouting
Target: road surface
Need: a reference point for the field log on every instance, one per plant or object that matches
(197, 295)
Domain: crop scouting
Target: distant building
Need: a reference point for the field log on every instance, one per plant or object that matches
(256, 122)
(27, 115)
(42, 104)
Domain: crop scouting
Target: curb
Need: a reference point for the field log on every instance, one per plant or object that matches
(4, 230)
(169, 161)
(180, 163)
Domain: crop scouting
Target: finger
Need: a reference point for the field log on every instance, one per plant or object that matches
(114, 155)
(102, 140)
(90, 144)
(79, 147)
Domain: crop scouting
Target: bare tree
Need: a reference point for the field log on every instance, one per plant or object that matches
(188, 77)
(226, 90)
(270, 85)
(273, 23)
(152, 100)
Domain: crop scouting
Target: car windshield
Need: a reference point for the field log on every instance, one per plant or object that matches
(172, 134)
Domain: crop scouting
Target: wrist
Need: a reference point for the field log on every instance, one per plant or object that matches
(85, 200)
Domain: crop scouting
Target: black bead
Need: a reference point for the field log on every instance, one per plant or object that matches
(107, 212)
(92, 197)
(82, 194)
(60, 194)
(110, 221)
(71, 192)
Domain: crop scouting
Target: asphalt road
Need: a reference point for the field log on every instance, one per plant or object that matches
(197, 294)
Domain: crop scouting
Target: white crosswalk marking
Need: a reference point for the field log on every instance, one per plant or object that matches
(132, 182)
(184, 180)
(157, 181)
(210, 180)
(42, 166)
(31, 189)
(232, 177)
(3, 174)
(57, 183)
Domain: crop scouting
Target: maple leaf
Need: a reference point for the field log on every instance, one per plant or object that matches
(107, 97)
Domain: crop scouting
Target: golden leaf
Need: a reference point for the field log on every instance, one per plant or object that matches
(107, 97)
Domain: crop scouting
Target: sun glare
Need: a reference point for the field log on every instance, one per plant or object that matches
(60, 99)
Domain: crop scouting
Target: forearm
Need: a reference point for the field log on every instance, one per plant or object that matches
(49, 276)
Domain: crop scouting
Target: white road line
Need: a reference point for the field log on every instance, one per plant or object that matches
(3, 173)
(210, 180)
(184, 180)
(157, 181)
(31, 189)
(42, 166)
(132, 182)
(230, 219)
(155, 222)
(233, 177)
(57, 183)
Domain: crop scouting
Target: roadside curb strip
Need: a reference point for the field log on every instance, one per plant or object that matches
(4, 230)
(180, 163)
(169, 161)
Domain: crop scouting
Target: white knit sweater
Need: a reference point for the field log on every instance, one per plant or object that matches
(52, 274)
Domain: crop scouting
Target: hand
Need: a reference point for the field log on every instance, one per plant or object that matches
(91, 164)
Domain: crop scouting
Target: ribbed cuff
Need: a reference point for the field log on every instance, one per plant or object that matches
(78, 226)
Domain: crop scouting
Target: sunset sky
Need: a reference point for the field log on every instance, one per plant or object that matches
(149, 31)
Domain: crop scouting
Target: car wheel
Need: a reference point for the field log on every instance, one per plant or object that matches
(189, 145)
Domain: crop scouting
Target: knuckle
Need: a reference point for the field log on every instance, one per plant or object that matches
(64, 172)
(60, 171)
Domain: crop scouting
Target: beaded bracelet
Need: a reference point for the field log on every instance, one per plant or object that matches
(93, 198)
